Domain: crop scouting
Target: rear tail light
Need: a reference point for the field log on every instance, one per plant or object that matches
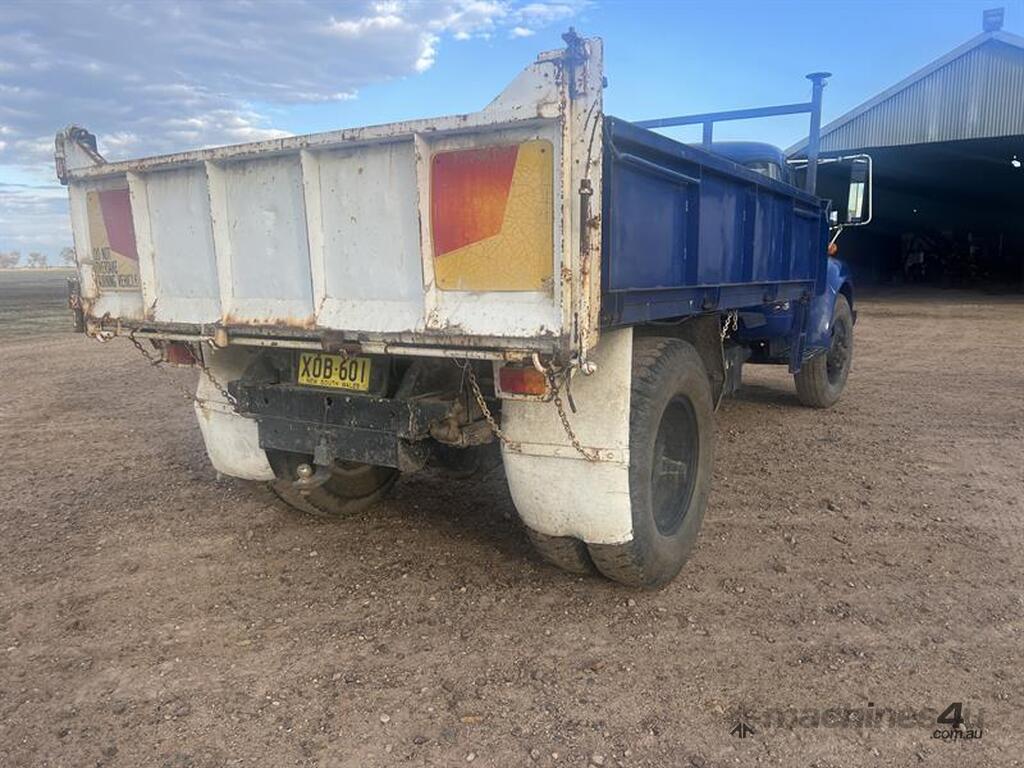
(522, 381)
(178, 353)
(491, 217)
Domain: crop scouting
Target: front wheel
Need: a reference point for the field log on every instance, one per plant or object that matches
(821, 379)
(671, 446)
(351, 488)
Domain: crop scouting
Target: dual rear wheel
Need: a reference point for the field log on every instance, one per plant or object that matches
(671, 456)
(671, 447)
(671, 444)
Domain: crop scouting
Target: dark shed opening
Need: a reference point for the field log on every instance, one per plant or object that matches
(948, 150)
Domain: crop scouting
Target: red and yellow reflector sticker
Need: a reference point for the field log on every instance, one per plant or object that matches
(491, 218)
(115, 258)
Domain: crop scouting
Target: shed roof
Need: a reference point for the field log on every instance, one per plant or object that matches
(974, 91)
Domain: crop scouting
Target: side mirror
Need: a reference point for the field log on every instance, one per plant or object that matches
(846, 183)
(857, 208)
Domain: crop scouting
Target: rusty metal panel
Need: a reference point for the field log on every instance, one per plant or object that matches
(328, 236)
(264, 221)
(172, 219)
(369, 255)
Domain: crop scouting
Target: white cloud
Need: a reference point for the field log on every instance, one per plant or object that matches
(427, 54)
(364, 25)
(546, 13)
(155, 77)
(33, 218)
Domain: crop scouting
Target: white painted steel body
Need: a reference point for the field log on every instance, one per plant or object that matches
(330, 233)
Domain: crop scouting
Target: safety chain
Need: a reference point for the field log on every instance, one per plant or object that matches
(570, 433)
(731, 323)
(496, 428)
(228, 397)
(188, 394)
(478, 395)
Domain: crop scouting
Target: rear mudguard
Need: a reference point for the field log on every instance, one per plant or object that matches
(557, 491)
(232, 441)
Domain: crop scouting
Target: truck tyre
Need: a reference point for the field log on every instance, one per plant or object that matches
(671, 447)
(352, 487)
(821, 379)
(563, 552)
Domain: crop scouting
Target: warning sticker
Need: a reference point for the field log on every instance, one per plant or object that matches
(115, 258)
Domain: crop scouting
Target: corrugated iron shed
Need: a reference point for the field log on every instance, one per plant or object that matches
(975, 91)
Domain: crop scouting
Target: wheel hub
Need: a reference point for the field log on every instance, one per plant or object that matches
(838, 352)
(676, 451)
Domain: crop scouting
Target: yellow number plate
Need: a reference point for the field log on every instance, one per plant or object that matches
(316, 370)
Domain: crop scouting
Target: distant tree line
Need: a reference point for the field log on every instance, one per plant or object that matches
(35, 260)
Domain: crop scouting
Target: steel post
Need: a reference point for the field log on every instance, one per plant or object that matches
(814, 136)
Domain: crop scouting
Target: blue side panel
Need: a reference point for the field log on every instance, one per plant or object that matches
(819, 331)
(806, 242)
(773, 227)
(722, 206)
(656, 211)
(686, 232)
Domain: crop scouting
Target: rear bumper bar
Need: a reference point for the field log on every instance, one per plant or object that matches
(339, 426)
(342, 426)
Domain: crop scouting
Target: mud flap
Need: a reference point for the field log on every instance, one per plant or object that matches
(232, 441)
(557, 491)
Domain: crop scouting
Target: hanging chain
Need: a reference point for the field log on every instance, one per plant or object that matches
(496, 428)
(731, 323)
(221, 389)
(587, 454)
(482, 404)
(188, 394)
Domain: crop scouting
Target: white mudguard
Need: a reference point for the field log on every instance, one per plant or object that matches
(232, 441)
(557, 491)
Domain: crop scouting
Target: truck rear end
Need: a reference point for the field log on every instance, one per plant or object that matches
(534, 277)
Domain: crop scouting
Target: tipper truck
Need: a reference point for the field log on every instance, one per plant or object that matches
(536, 282)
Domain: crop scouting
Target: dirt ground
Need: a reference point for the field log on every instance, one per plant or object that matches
(868, 558)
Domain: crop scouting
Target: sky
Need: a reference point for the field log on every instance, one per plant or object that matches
(160, 76)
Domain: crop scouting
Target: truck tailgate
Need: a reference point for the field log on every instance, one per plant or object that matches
(448, 233)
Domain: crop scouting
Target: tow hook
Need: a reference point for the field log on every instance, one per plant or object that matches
(311, 476)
